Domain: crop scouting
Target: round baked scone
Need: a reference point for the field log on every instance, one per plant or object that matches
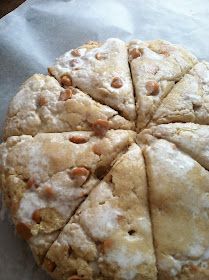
(94, 199)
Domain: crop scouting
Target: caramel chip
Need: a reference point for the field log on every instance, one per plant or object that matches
(36, 216)
(65, 95)
(117, 82)
(66, 80)
(100, 56)
(48, 192)
(42, 101)
(31, 183)
(79, 171)
(135, 52)
(152, 88)
(78, 139)
(75, 52)
(97, 149)
(24, 231)
(100, 127)
(107, 245)
(49, 265)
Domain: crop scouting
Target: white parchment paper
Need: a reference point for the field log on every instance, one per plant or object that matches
(40, 30)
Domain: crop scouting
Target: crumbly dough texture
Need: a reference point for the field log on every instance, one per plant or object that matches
(94, 200)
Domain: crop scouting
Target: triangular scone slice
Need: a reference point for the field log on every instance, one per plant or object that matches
(189, 99)
(109, 237)
(102, 71)
(155, 67)
(192, 139)
(42, 105)
(179, 201)
(45, 178)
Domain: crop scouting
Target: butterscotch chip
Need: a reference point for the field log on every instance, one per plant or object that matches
(78, 139)
(117, 82)
(65, 95)
(66, 80)
(73, 62)
(100, 127)
(31, 183)
(42, 101)
(97, 149)
(135, 52)
(24, 231)
(75, 52)
(48, 192)
(49, 265)
(152, 88)
(36, 216)
(79, 171)
(107, 245)
(100, 56)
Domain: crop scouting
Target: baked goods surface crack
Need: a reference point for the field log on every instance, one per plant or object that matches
(191, 138)
(113, 225)
(44, 178)
(178, 192)
(156, 66)
(42, 105)
(188, 100)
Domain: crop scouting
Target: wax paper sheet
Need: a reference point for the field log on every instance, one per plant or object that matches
(38, 31)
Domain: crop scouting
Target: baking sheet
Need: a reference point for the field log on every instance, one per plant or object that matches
(40, 30)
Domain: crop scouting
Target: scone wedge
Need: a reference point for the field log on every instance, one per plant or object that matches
(102, 71)
(42, 105)
(156, 66)
(45, 178)
(179, 200)
(192, 139)
(109, 237)
(189, 99)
